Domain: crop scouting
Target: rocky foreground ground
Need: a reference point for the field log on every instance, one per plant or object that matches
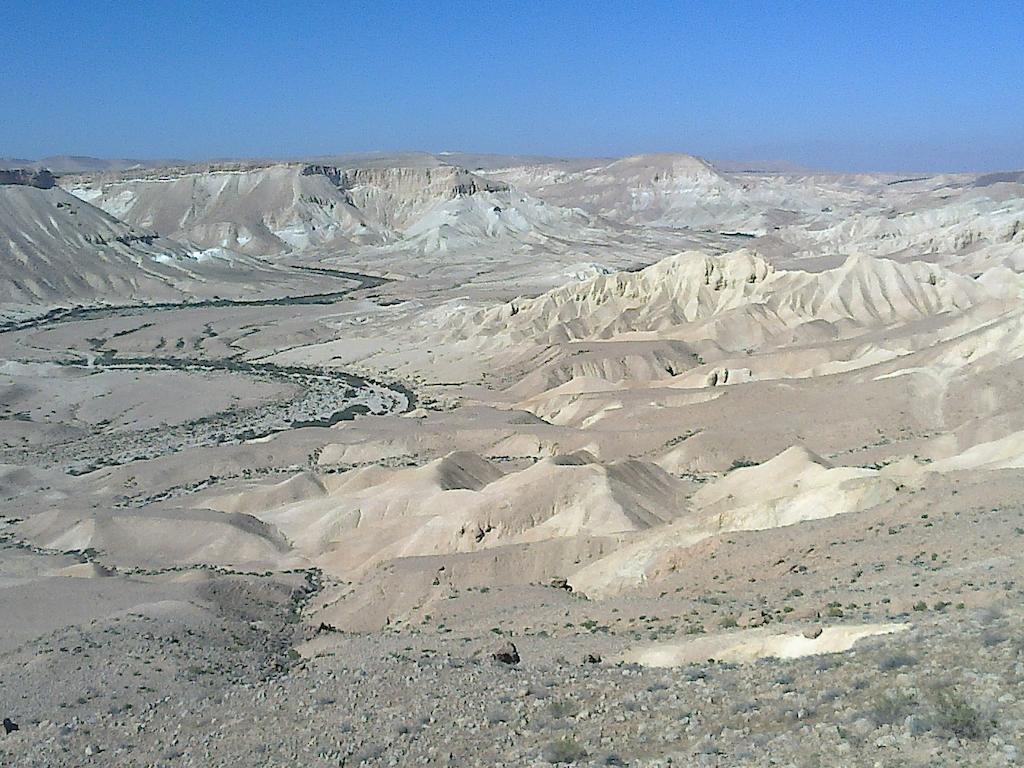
(218, 669)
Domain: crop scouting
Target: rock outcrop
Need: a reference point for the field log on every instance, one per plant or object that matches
(28, 178)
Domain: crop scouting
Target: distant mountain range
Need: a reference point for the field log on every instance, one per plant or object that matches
(82, 164)
(64, 164)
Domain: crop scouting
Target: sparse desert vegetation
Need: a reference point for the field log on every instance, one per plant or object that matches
(456, 460)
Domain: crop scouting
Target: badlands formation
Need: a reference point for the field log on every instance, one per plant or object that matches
(477, 460)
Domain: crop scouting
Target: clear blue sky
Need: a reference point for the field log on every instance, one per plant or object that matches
(831, 84)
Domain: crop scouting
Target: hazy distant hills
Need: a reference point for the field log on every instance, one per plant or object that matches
(82, 164)
(64, 164)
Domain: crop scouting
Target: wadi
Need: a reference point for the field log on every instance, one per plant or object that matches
(455, 459)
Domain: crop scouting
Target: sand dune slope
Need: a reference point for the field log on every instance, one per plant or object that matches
(695, 286)
(793, 487)
(462, 503)
(163, 538)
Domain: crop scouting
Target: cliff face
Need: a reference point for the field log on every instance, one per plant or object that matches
(395, 199)
(28, 178)
(443, 181)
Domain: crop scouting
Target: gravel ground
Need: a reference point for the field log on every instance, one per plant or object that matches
(214, 680)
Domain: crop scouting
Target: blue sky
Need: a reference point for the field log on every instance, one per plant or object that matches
(842, 85)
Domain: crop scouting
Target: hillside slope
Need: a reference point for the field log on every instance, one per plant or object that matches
(292, 207)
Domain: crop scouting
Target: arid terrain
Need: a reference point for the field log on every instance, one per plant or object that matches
(463, 460)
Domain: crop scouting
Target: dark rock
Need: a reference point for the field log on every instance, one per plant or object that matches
(754, 618)
(28, 178)
(10, 725)
(591, 658)
(560, 583)
(506, 653)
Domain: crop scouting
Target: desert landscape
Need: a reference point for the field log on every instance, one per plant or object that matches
(454, 459)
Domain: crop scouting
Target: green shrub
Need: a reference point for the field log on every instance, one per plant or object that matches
(892, 708)
(563, 750)
(955, 715)
(741, 462)
(563, 708)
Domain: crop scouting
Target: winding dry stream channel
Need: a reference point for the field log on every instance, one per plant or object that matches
(322, 396)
